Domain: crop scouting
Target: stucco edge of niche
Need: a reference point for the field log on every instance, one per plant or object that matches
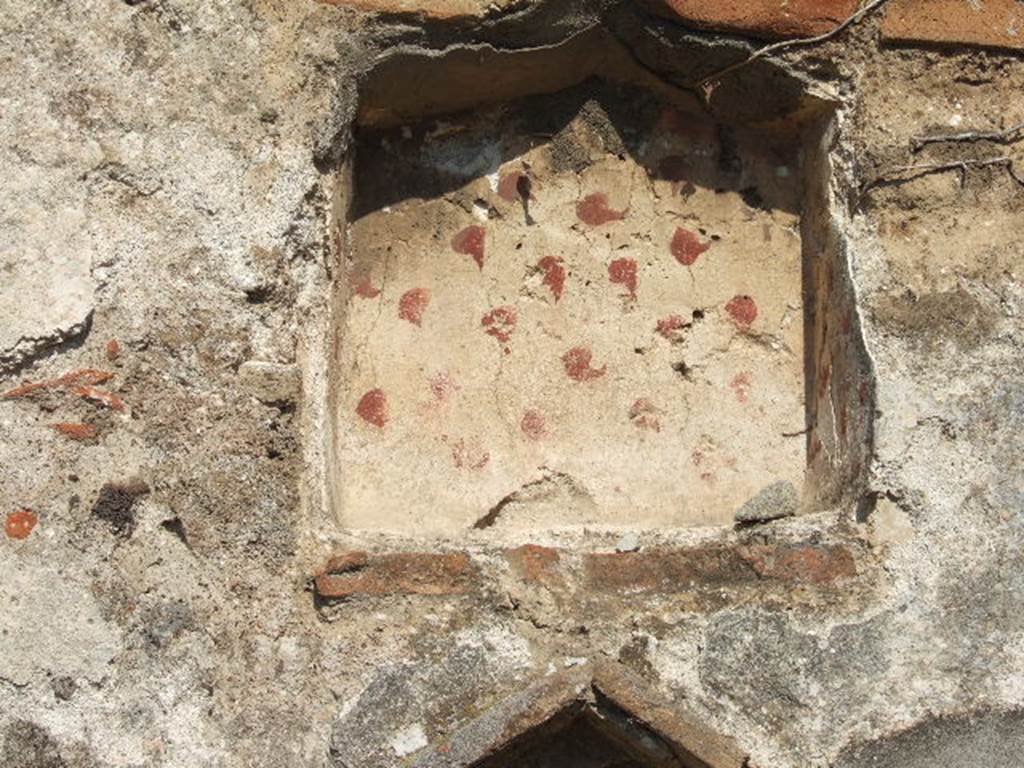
(859, 241)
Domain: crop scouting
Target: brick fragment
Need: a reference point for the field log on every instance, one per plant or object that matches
(811, 564)
(991, 24)
(666, 570)
(80, 432)
(20, 524)
(771, 19)
(677, 570)
(536, 564)
(84, 377)
(359, 574)
(101, 397)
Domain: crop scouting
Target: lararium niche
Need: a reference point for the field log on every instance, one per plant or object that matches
(572, 301)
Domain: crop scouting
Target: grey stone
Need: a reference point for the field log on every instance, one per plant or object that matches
(628, 542)
(776, 501)
(983, 738)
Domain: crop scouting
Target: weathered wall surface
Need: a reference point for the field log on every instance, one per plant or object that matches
(170, 253)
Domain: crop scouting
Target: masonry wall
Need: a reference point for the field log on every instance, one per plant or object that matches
(176, 587)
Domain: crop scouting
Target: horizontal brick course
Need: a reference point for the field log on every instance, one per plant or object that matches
(678, 570)
(771, 19)
(434, 9)
(654, 571)
(536, 564)
(993, 23)
(401, 573)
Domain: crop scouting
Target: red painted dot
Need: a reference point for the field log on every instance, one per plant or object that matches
(499, 323)
(594, 210)
(413, 304)
(644, 415)
(533, 424)
(577, 362)
(373, 407)
(740, 384)
(443, 386)
(511, 185)
(363, 288)
(742, 309)
(20, 524)
(554, 275)
(469, 455)
(670, 327)
(623, 272)
(470, 241)
(686, 246)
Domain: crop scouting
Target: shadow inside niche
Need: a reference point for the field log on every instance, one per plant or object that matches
(436, 156)
(578, 743)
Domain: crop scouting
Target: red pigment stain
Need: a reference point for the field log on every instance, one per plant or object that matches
(671, 327)
(644, 414)
(470, 242)
(443, 386)
(510, 185)
(577, 365)
(499, 323)
(686, 246)
(554, 275)
(863, 392)
(20, 524)
(594, 210)
(740, 384)
(623, 272)
(373, 407)
(697, 457)
(471, 456)
(742, 309)
(362, 287)
(413, 304)
(113, 349)
(533, 424)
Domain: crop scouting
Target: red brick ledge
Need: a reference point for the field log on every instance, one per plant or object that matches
(660, 570)
(400, 573)
(772, 19)
(991, 24)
